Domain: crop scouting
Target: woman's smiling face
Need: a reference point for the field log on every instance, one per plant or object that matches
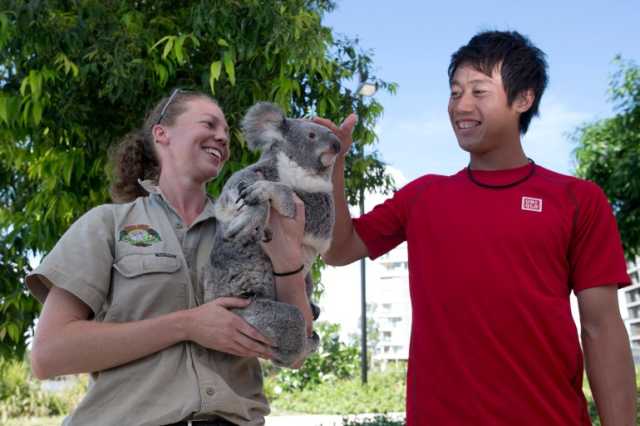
(197, 143)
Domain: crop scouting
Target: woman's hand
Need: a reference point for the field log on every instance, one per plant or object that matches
(214, 326)
(285, 247)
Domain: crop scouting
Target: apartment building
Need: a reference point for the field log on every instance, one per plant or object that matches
(390, 304)
(630, 307)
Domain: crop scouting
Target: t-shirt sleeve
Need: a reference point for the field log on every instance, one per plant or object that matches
(384, 227)
(596, 257)
(80, 262)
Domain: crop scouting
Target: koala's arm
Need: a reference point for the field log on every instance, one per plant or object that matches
(346, 245)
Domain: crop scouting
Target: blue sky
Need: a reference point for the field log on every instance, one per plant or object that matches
(412, 42)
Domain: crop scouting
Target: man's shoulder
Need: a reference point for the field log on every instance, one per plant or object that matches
(573, 185)
(425, 181)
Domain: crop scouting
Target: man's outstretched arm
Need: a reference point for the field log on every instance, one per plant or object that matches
(608, 356)
(346, 245)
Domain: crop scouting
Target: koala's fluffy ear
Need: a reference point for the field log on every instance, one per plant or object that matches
(263, 124)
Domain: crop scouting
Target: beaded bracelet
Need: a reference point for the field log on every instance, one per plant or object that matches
(284, 274)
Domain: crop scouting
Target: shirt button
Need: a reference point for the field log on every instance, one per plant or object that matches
(209, 391)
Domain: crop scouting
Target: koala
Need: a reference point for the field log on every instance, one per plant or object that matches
(297, 157)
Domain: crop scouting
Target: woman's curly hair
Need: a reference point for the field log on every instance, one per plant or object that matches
(134, 158)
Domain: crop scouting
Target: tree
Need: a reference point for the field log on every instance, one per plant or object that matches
(608, 153)
(76, 76)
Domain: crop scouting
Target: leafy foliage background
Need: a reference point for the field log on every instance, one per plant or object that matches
(608, 153)
(76, 76)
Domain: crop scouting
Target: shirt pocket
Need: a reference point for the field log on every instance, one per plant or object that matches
(146, 285)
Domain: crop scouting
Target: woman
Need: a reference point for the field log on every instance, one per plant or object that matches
(122, 294)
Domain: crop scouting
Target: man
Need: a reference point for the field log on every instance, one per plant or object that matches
(494, 252)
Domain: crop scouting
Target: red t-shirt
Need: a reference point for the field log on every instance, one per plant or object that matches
(493, 341)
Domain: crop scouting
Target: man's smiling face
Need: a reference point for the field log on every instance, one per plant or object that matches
(479, 112)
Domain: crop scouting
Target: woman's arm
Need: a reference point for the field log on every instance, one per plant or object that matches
(68, 342)
(285, 252)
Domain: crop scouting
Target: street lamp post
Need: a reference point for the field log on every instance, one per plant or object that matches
(363, 302)
(365, 89)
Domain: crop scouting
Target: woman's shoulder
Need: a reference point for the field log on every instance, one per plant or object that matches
(111, 211)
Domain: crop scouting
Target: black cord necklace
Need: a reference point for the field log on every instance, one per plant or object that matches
(506, 185)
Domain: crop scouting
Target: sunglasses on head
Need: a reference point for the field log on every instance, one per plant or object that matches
(166, 105)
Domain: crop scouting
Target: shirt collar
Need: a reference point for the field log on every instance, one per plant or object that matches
(154, 190)
(150, 186)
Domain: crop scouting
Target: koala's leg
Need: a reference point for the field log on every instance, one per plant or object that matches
(285, 326)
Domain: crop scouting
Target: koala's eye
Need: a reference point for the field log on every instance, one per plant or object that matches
(312, 135)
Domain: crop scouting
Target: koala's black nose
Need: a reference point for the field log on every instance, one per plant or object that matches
(335, 145)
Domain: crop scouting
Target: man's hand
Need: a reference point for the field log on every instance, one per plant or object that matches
(344, 132)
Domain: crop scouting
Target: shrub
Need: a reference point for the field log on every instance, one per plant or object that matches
(385, 392)
(376, 421)
(22, 395)
(333, 361)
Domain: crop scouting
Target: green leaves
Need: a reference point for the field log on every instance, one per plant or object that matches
(75, 77)
(6, 29)
(214, 74)
(608, 153)
(174, 47)
(64, 64)
(228, 59)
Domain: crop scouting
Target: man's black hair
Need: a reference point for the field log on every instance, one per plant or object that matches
(523, 66)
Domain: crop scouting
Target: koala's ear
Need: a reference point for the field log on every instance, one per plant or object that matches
(263, 124)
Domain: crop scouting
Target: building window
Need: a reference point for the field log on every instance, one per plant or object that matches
(633, 295)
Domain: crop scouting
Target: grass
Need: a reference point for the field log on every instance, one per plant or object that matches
(33, 421)
(384, 393)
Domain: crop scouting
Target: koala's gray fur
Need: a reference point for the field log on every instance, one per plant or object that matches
(297, 157)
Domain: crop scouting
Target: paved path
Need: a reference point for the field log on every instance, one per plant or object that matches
(320, 420)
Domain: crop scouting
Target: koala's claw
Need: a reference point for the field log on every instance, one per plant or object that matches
(252, 195)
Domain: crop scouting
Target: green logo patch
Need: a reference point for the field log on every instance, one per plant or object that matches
(139, 235)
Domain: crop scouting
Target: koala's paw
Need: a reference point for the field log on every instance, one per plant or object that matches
(278, 195)
(249, 222)
(315, 311)
(256, 193)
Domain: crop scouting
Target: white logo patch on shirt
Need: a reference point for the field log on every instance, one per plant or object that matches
(532, 204)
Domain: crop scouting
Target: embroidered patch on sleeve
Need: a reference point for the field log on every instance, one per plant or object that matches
(139, 235)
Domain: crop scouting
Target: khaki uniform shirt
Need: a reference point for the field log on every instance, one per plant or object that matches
(134, 261)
